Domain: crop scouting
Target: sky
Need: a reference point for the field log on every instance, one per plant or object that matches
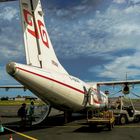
(95, 40)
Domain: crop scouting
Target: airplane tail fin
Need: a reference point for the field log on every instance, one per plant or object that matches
(38, 47)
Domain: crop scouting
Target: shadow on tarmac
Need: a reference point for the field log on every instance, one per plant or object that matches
(52, 121)
(89, 129)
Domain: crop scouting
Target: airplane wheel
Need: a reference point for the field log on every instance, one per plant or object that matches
(110, 126)
(123, 120)
(113, 125)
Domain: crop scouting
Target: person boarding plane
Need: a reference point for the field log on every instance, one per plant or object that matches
(43, 74)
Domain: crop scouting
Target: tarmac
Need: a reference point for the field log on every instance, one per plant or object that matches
(55, 129)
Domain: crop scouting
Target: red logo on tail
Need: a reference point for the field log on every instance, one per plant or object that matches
(43, 33)
(33, 29)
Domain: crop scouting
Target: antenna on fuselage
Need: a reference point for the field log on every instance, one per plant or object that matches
(126, 78)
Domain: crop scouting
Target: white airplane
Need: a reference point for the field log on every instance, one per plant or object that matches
(43, 74)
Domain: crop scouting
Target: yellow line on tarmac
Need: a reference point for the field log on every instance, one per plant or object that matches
(23, 135)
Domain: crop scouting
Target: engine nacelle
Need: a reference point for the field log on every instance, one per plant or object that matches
(126, 89)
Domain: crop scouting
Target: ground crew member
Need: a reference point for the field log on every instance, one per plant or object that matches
(31, 112)
(22, 114)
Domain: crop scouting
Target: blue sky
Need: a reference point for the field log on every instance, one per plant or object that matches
(95, 40)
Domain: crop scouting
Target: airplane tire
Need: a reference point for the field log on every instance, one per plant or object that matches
(113, 125)
(110, 126)
(123, 120)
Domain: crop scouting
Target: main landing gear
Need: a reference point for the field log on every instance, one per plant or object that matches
(67, 116)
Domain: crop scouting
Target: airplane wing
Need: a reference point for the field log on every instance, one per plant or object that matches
(125, 85)
(127, 82)
(7, 87)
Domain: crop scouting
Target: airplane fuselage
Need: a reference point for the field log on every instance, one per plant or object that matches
(62, 91)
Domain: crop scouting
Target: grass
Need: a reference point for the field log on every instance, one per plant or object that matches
(14, 103)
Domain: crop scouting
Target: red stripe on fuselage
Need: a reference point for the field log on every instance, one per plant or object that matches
(52, 80)
(80, 91)
(96, 102)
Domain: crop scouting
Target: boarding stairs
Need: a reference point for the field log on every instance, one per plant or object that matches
(40, 115)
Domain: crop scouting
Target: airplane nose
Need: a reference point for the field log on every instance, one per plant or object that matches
(11, 68)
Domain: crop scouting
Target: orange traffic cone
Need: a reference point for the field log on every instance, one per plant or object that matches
(11, 138)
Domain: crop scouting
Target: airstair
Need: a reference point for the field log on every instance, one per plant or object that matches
(41, 114)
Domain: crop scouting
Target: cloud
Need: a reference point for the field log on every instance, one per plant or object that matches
(8, 13)
(5, 78)
(127, 29)
(11, 45)
(118, 68)
(119, 1)
(106, 29)
(97, 32)
(111, 33)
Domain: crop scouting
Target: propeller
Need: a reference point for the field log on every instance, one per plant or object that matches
(126, 89)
